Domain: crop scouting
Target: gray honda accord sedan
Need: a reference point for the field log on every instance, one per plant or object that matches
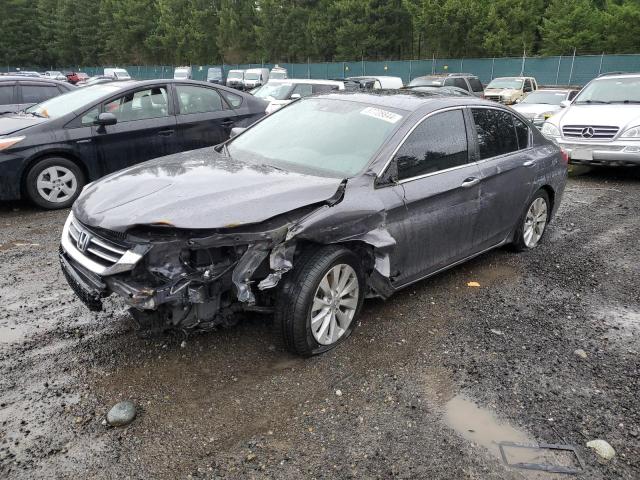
(330, 200)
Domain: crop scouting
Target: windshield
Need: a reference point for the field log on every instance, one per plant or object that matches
(75, 100)
(427, 82)
(547, 98)
(277, 75)
(214, 73)
(611, 90)
(251, 76)
(234, 75)
(513, 83)
(274, 91)
(335, 138)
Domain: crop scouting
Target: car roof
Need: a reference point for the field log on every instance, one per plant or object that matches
(405, 99)
(606, 76)
(24, 78)
(306, 80)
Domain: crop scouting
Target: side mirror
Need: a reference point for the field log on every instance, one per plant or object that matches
(565, 103)
(235, 131)
(105, 119)
(295, 96)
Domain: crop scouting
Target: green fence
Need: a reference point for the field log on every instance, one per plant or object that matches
(561, 70)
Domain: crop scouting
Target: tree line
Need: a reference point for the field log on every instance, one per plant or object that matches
(96, 32)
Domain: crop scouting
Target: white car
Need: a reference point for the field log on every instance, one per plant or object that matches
(255, 77)
(542, 104)
(278, 73)
(281, 92)
(380, 82)
(601, 126)
(117, 73)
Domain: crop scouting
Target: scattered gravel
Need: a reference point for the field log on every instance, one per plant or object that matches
(231, 405)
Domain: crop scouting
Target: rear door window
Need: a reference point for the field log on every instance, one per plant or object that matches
(302, 89)
(193, 99)
(438, 143)
(496, 132)
(232, 99)
(7, 96)
(522, 132)
(324, 88)
(38, 93)
(476, 85)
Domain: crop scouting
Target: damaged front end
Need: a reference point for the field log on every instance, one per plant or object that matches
(177, 278)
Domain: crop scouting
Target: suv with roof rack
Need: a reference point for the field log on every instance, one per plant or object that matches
(466, 81)
(601, 126)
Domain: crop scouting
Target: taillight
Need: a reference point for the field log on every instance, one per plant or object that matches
(565, 156)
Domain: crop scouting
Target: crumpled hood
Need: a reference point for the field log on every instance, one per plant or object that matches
(619, 115)
(530, 110)
(200, 189)
(14, 123)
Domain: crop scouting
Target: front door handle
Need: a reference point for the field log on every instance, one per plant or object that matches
(529, 163)
(166, 133)
(470, 182)
(227, 123)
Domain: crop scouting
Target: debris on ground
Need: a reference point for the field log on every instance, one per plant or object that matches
(121, 414)
(602, 448)
(580, 353)
(473, 284)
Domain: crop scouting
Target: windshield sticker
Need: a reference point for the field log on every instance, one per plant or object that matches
(380, 114)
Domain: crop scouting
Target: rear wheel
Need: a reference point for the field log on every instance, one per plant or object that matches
(533, 224)
(54, 182)
(319, 301)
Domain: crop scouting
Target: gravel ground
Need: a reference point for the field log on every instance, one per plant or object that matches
(427, 384)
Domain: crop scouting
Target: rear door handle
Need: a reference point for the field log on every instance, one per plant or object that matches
(166, 133)
(470, 182)
(227, 123)
(529, 163)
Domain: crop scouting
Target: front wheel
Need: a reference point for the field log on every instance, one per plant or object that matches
(54, 183)
(319, 301)
(532, 225)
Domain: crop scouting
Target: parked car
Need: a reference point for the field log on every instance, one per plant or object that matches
(281, 92)
(601, 126)
(327, 201)
(278, 73)
(215, 75)
(508, 90)
(74, 77)
(97, 79)
(378, 82)
(182, 73)
(117, 73)
(50, 151)
(254, 77)
(55, 75)
(18, 93)
(538, 106)
(465, 81)
(235, 79)
(26, 73)
(447, 91)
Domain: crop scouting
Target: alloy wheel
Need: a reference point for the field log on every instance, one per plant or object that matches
(535, 222)
(334, 304)
(56, 184)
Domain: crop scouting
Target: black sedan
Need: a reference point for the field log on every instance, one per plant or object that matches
(322, 203)
(51, 150)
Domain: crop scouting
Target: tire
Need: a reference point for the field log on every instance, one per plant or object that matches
(54, 183)
(538, 217)
(296, 301)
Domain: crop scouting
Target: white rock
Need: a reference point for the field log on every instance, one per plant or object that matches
(602, 448)
(580, 353)
(339, 393)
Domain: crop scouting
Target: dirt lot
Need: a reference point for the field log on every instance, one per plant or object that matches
(427, 384)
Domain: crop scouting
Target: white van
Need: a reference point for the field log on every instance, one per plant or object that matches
(235, 79)
(117, 73)
(254, 77)
(182, 73)
(281, 92)
(278, 73)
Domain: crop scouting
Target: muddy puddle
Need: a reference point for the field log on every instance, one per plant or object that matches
(483, 428)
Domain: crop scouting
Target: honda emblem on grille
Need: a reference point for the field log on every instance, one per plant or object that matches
(588, 132)
(83, 241)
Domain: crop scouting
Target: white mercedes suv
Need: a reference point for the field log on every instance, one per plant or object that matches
(601, 126)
